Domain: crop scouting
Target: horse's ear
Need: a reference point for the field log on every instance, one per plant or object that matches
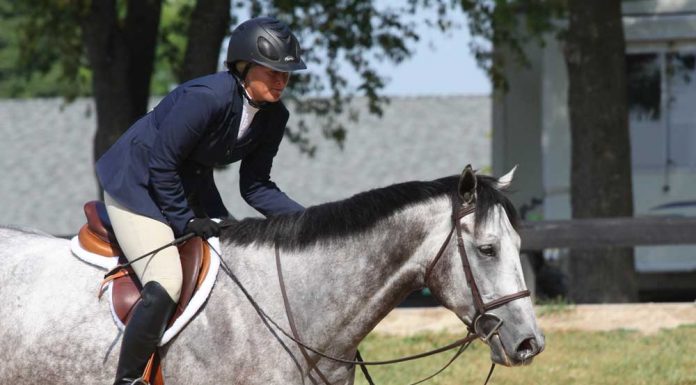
(506, 180)
(467, 185)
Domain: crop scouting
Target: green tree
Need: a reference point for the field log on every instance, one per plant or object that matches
(116, 42)
(113, 45)
(108, 48)
(37, 75)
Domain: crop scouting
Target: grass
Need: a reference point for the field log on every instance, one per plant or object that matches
(553, 306)
(587, 358)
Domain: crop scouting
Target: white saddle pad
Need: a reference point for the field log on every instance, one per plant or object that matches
(198, 299)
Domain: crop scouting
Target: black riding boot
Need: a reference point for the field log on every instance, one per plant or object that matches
(143, 332)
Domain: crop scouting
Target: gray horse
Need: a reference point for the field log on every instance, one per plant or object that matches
(345, 266)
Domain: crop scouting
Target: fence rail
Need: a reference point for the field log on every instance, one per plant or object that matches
(608, 232)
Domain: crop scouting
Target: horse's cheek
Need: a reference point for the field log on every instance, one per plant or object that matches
(442, 284)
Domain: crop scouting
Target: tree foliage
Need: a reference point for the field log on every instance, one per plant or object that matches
(121, 51)
(53, 53)
(509, 24)
(36, 63)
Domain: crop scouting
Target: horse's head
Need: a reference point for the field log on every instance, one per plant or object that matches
(479, 276)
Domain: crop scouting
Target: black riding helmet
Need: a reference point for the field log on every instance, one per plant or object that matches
(265, 41)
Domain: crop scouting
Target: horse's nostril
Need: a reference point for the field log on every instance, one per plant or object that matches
(527, 349)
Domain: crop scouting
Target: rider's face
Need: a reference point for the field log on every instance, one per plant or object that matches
(264, 84)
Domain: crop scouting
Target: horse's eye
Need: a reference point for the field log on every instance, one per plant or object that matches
(487, 250)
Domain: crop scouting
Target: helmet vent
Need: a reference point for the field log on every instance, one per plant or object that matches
(280, 30)
(267, 49)
(268, 42)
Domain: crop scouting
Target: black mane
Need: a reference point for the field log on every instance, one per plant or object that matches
(359, 213)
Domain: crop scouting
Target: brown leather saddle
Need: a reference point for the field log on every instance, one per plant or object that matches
(97, 237)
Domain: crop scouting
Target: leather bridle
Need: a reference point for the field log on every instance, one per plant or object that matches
(459, 211)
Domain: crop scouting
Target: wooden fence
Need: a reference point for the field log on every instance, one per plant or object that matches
(604, 232)
(627, 232)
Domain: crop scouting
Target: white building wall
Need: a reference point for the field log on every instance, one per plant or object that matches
(650, 26)
(517, 133)
(47, 173)
(555, 133)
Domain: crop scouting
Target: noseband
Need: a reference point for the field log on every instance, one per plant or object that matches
(477, 327)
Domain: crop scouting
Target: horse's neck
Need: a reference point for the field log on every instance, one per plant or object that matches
(349, 286)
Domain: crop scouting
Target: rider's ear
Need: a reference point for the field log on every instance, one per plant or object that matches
(467, 185)
(506, 180)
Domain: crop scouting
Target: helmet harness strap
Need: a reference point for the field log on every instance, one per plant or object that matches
(242, 82)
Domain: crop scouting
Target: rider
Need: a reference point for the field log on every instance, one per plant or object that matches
(158, 177)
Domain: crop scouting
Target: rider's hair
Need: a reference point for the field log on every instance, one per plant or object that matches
(240, 69)
(240, 65)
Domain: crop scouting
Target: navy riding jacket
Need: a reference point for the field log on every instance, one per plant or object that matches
(162, 167)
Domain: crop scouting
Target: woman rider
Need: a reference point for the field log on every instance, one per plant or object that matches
(158, 177)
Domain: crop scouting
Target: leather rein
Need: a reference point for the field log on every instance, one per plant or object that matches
(475, 331)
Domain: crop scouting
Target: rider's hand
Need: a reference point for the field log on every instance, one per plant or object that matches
(203, 227)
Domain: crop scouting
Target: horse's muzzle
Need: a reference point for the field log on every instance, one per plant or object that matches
(520, 352)
(526, 350)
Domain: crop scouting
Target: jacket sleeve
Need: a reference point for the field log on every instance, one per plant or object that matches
(179, 132)
(255, 183)
(214, 206)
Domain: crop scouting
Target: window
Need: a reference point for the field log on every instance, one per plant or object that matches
(661, 87)
(643, 80)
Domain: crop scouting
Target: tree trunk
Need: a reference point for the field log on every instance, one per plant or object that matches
(121, 59)
(107, 54)
(209, 24)
(601, 155)
(141, 30)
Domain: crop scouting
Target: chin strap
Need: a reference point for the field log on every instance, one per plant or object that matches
(240, 81)
(259, 105)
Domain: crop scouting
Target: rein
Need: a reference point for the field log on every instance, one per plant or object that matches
(461, 343)
(266, 317)
(476, 330)
(175, 242)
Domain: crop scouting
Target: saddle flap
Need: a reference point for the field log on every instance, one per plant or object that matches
(97, 237)
(195, 261)
(193, 253)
